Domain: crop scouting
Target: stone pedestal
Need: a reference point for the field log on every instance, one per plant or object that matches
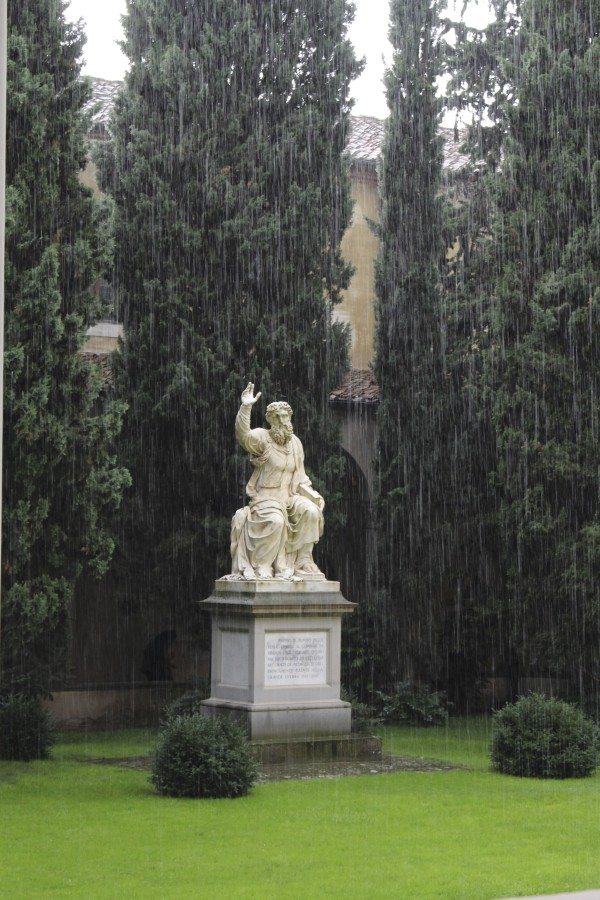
(275, 659)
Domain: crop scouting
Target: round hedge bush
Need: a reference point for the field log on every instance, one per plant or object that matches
(541, 737)
(201, 757)
(26, 729)
(189, 704)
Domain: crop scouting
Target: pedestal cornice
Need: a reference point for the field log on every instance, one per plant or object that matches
(276, 598)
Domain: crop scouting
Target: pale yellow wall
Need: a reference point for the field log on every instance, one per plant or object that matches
(89, 178)
(95, 344)
(360, 247)
(97, 341)
(103, 337)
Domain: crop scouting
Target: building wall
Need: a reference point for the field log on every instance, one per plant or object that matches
(103, 337)
(95, 344)
(358, 437)
(89, 178)
(360, 247)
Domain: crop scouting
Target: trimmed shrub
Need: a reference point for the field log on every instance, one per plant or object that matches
(189, 704)
(541, 737)
(26, 729)
(413, 704)
(198, 756)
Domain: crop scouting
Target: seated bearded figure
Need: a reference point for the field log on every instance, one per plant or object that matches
(274, 535)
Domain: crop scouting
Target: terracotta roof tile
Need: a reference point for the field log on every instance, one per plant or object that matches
(366, 135)
(102, 361)
(366, 138)
(454, 158)
(358, 386)
(101, 103)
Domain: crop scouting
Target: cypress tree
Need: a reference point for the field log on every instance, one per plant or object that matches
(542, 363)
(469, 641)
(231, 198)
(479, 66)
(60, 480)
(533, 76)
(409, 355)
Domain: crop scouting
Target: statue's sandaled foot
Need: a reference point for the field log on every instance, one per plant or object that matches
(306, 567)
(285, 574)
(248, 574)
(264, 572)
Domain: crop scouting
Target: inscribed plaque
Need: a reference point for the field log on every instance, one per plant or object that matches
(295, 658)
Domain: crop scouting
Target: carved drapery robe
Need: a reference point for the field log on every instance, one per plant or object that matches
(284, 517)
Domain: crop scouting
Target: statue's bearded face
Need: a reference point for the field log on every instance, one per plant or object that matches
(282, 428)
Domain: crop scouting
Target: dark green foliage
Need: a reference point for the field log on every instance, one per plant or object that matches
(543, 361)
(26, 729)
(189, 704)
(413, 704)
(482, 83)
(231, 198)
(60, 481)
(438, 532)
(409, 363)
(540, 737)
(364, 717)
(201, 757)
(535, 307)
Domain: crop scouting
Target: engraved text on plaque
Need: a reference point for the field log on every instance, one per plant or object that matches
(295, 658)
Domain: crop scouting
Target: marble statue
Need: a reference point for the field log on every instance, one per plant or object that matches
(274, 536)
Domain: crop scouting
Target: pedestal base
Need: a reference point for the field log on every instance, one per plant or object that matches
(320, 749)
(275, 658)
(285, 721)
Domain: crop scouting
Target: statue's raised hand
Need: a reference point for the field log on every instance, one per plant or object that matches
(248, 398)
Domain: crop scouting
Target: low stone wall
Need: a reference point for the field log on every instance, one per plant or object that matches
(108, 707)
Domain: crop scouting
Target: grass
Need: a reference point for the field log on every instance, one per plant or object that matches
(463, 742)
(71, 829)
(105, 744)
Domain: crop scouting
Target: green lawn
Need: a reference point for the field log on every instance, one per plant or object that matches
(71, 829)
(463, 742)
